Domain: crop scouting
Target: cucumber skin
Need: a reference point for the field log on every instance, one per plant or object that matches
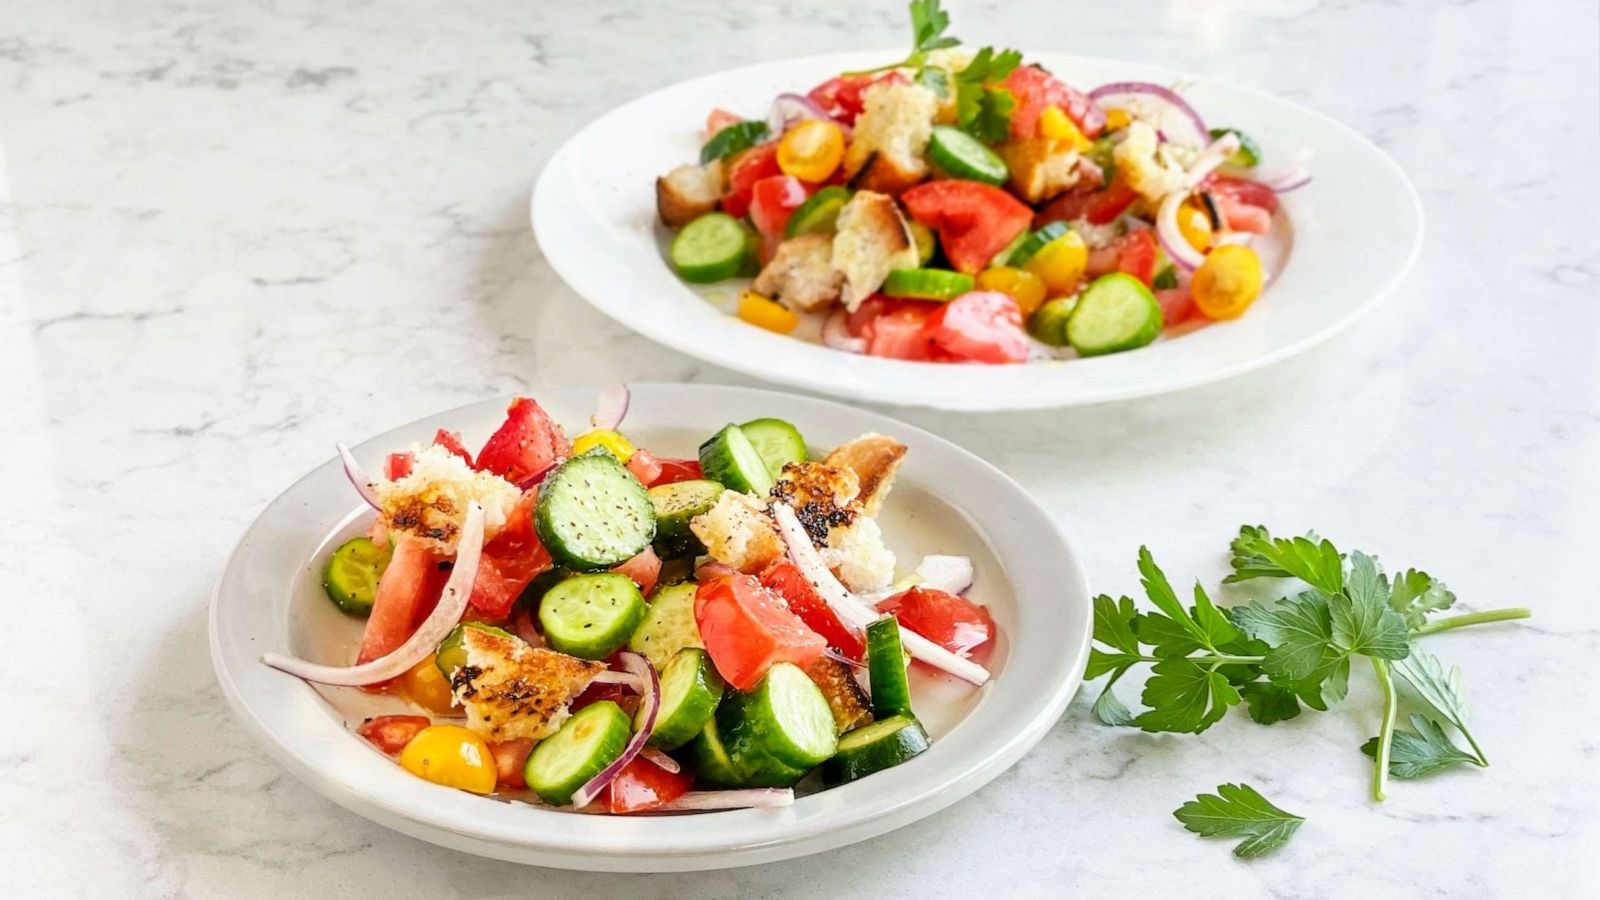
(674, 538)
(943, 152)
(691, 719)
(449, 651)
(559, 791)
(750, 730)
(590, 650)
(659, 638)
(551, 504)
(725, 471)
(719, 269)
(1148, 331)
(886, 670)
(346, 600)
(712, 764)
(1036, 242)
(767, 435)
(885, 753)
(805, 219)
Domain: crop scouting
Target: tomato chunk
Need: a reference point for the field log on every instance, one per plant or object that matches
(1177, 305)
(785, 579)
(676, 470)
(1238, 215)
(900, 332)
(644, 569)
(511, 560)
(526, 445)
(975, 221)
(643, 785)
(954, 623)
(718, 119)
(1243, 190)
(842, 98)
(983, 326)
(757, 163)
(407, 592)
(1035, 89)
(1136, 255)
(398, 465)
(451, 441)
(644, 467)
(773, 200)
(509, 759)
(1100, 206)
(391, 734)
(747, 630)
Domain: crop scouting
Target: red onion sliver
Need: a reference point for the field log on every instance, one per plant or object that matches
(611, 408)
(661, 759)
(789, 110)
(352, 470)
(625, 679)
(534, 480)
(753, 798)
(641, 669)
(836, 334)
(836, 656)
(1177, 246)
(452, 603)
(1107, 94)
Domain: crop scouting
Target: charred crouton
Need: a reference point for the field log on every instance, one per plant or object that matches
(872, 240)
(874, 458)
(1041, 168)
(431, 501)
(688, 192)
(850, 705)
(511, 690)
(801, 274)
(823, 496)
(738, 532)
(887, 151)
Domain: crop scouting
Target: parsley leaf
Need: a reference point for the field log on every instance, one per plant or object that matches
(1444, 692)
(1184, 697)
(1299, 630)
(934, 79)
(1109, 710)
(1363, 621)
(928, 24)
(1239, 812)
(993, 124)
(1416, 594)
(982, 110)
(1423, 752)
(1270, 701)
(1257, 554)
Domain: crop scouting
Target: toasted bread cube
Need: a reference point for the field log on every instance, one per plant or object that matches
(801, 274)
(688, 192)
(872, 240)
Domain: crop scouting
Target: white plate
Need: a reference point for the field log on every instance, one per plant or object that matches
(1356, 229)
(946, 500)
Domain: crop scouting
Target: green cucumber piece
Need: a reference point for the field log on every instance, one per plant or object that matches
(1103, 154)
(777, 443)
(1166, 279)
(589, 741)
(451, 655)
(1049, 322)
(927, 284)
(872, 748)
(819, 213)
(590, 616)
(733, 139)
(729, 458)
(886, 669)
(1115, 313)
(960, 155)
(1248, 156)
(785, 721)
(668, 625)
(541, 585)
(1035, 242)
(351, 576)
(690, 692)
(676, 505)
(712, 764)
(711, 248)
(1003, 258)
(593, 514)
(927, 242)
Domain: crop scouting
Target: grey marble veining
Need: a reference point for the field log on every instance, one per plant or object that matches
(233, 231)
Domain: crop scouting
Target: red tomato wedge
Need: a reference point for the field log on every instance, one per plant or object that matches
(1136, 255)
(1238, 215)
(451, 441)
(644, 467)
(773, 200)
(757, 163)
(397, 465)
(391, 734)
(1035, 89)
(1177, 304)
(643, 785)
(511, 560)
(747, 630)
(842, 98)
(975, 221)
(983, 326)
(676, 470)
(526, 445)
(785, 579)
(509, 759)
(1099, 206)
(1242, 190)
(900, 332)
(407, 592)
(644, 569)
(954, 623)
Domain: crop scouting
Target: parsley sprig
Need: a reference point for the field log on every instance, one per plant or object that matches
(1237, 810)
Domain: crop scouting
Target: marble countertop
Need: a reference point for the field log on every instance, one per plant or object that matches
(233, 231)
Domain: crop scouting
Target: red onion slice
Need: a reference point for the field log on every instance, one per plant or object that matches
(611, 408)
(537, 478)
(666, 762)
(788, 110)
(365, 486)
(626, 679)
(641, 669)
(1177, 246)
(753, 798)
(836, 334)
(836, 656)
(1285, 181)
(1174, 116)
(452, 603)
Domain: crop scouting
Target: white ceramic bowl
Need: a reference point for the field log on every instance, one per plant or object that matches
(1356, 229)
(946, 500)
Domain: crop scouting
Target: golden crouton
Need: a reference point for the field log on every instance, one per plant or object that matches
(688, 192)
(511, 690)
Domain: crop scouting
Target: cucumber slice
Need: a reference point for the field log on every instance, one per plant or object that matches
(451, 655)
(819, 213)
(711, 248)
(589, 741)
(873, 748)
(927, 243)
(785, 720)
(712, 764)
(735, 138)
(590, 616)
(593, 514)
(541, 585)
(960, 155)
(729, 458)
(1115, 313)
(1049, 322)
(1035, 242)
(676, 505)
(1103, 154)
(690, 692)
(1003, 258)
(668, 625)
(1166, 279)
(886, 669)
(927, 284)
(777, 443)
(351, 575)
(1248, 156)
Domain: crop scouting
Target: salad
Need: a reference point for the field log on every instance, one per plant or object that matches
(585, 625)
(961, 206)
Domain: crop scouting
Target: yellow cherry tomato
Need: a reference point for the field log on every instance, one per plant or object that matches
(1019, 284)
(763, 312)
(615, 443)
(1116, 118)
(1227, 282)
(1195, 226)
(811, 150)
(424, 685)
(1058, 126)
(1060, 263)
(452, 756)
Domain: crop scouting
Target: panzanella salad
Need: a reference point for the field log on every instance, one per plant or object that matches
(586, 625)
(951, 206)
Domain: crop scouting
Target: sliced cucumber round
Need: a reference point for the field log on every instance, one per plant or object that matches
(886, 669)
(711, 248)
(927, 242)
(676, 505)
(1003, 258)
(1049, 322)
(352, 573)
(451, 655)
(729, 458)
(690, 692)
(590, 616)
(712, 764)
(735, 138)
(819, 213)
(777, 443)
(589, 741)
(1115, 313)
(593, 514)
(960, 155)
(873, 748)
(927, 284)
(1035, 242)
(668, 624)
(785, 720)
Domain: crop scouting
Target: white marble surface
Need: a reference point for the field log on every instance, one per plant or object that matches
(232, 232)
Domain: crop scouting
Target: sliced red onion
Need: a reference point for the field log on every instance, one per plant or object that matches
(789, 110)
(836, 656)
(1242, 238)
(1209, 159)
(452, 603)
(1285, 181)
(641, 669)
(836, 334)
(611, 408)
(1183, 254)
(753, 798)
(534, 480)
(1184, 124)
(625, 679)
(522, 627)
(662, 760)
(855, 612)
(365, 486)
